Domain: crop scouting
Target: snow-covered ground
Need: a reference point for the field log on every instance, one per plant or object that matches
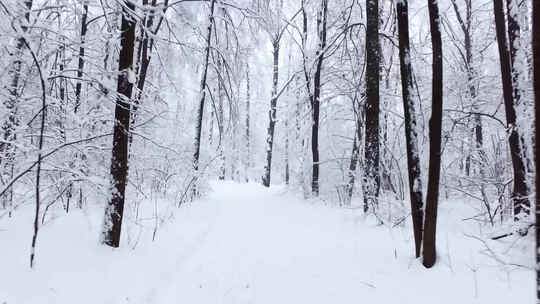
(247, 244)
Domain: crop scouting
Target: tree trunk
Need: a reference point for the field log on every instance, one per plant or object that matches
(514, 31)
(315, 100)
(355, 153)
(520, 191)
(200, 111)
(144, 53)
(465, 25)
(221, 126)
(536, 86)
(119, 162)
(271, 117)
(9, 126)
(299, 137)
(371, 176)
(248, 113)
(287, 171)
(411, 135)
(78, 86)
(142, 61)
(80, 67)
(435, 126)
(514, 8)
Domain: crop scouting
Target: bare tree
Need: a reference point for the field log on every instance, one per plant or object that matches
(520, 191)
(371, 176)
(78, 85)
(355, 153)
(275, 27)
(144, 51)
(435, 126)
(248, 130)
(315, 99)
(411, 133)
(536, 86)
(514, 32)
(203, 88)
(465, 23)
(80, 66)
(119, 161)
(11, 104)
(271, 116)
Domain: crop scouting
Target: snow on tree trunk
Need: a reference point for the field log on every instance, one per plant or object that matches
(221, 122)
(315, 100)
(536, 87)
(203, 88)
(11, 104)
(371, 173)
(80, 67)
(520, 191)
(247, 160)
(271, 117)
(411, 133)
(355, 153)
(119, 162)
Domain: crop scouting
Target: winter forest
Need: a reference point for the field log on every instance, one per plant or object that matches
(269, 151)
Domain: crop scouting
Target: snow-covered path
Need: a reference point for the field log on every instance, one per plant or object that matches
(263, 246)
(248, 244)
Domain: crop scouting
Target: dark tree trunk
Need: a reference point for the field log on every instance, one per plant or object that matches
(435, 126)
(200, 110)
(142, 61)
(119, 162)
(9, 126)
(349, 188)
(536, 86)
(315, 100)
(80, 68)
(514, 31)
(78, 85)
(271, 117)
(371, 178)
(411, 135)
(144, 53)
(520, 191)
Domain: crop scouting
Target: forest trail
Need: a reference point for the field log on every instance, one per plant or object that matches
(244, 243)
(263, 246)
